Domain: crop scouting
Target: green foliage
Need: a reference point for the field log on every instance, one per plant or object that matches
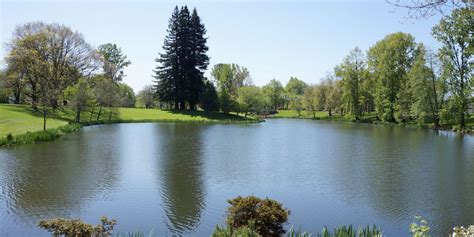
(420, 227)
(243, 231)
(39, 136)
(390, 59)
(269, 215)
(226, 102)
(179, 74)
(146, 97)
(114, 61)
(296, 103)
(454, 32)
(79, 96)
(126, 95)
(76, 227)
(350, 231)
(230, 77)
(250, 99)
(297, 233)
(274, 92)
(310, 100)
(295, 86)
(353, 71)
(209, 99)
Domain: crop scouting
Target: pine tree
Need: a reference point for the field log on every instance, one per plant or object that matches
(166, 73)
(182, 65)
(199, 59)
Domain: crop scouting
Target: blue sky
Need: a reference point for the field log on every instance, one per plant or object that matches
(273, 39)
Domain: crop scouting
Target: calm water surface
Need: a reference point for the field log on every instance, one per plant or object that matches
(175, 179)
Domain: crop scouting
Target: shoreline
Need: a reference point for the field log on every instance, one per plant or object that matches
(375, 122)
(52, 134)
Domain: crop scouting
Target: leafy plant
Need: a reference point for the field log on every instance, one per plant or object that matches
(420, 227)
(293, 233)
(268, 215)
(243, 231)
(350, 231)
(77, 227)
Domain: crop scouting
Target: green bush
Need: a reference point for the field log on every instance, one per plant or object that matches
(268, 215)
(420, 227)
(243, 231)
(76, 227)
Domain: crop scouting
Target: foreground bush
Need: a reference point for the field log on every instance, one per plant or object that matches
(244, 231)
(463, 231)
(267, 215)
(77, 228)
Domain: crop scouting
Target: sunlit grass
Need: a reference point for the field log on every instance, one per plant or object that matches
(18, 119)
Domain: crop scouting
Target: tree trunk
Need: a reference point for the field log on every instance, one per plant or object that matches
(44, 118)
(92, 113)
(314, 114)
(98, 115)
(17, 97)
(330, 114)
(78, 115)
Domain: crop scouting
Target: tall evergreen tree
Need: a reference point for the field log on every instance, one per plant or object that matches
(198, 60)
(179, 75)
(166, 73)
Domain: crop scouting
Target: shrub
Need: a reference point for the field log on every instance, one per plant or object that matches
(76, 227)
(420, 227)
(268, 215)
(9, 137)
(463, 231)
(244, 231)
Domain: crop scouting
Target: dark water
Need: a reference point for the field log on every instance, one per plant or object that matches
(174, 179)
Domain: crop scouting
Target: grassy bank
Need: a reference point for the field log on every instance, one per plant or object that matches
(19, 119)
(20, 124)
(367, 118)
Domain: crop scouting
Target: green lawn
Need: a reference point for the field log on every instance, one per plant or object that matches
(304, 114)
(18, 119)
(141, 114)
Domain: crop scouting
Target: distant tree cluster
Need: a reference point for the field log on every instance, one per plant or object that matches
(52, 67)
(398, 80)
(179, 74)
(402, 81)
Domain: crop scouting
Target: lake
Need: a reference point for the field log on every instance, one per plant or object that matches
(174, 179)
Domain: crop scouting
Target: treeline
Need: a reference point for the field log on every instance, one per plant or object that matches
(397, 79)
(51, 67)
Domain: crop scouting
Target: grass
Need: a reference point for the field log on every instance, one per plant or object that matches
(304, 114)
(19, 119)
(144, 115)
(20, 124)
